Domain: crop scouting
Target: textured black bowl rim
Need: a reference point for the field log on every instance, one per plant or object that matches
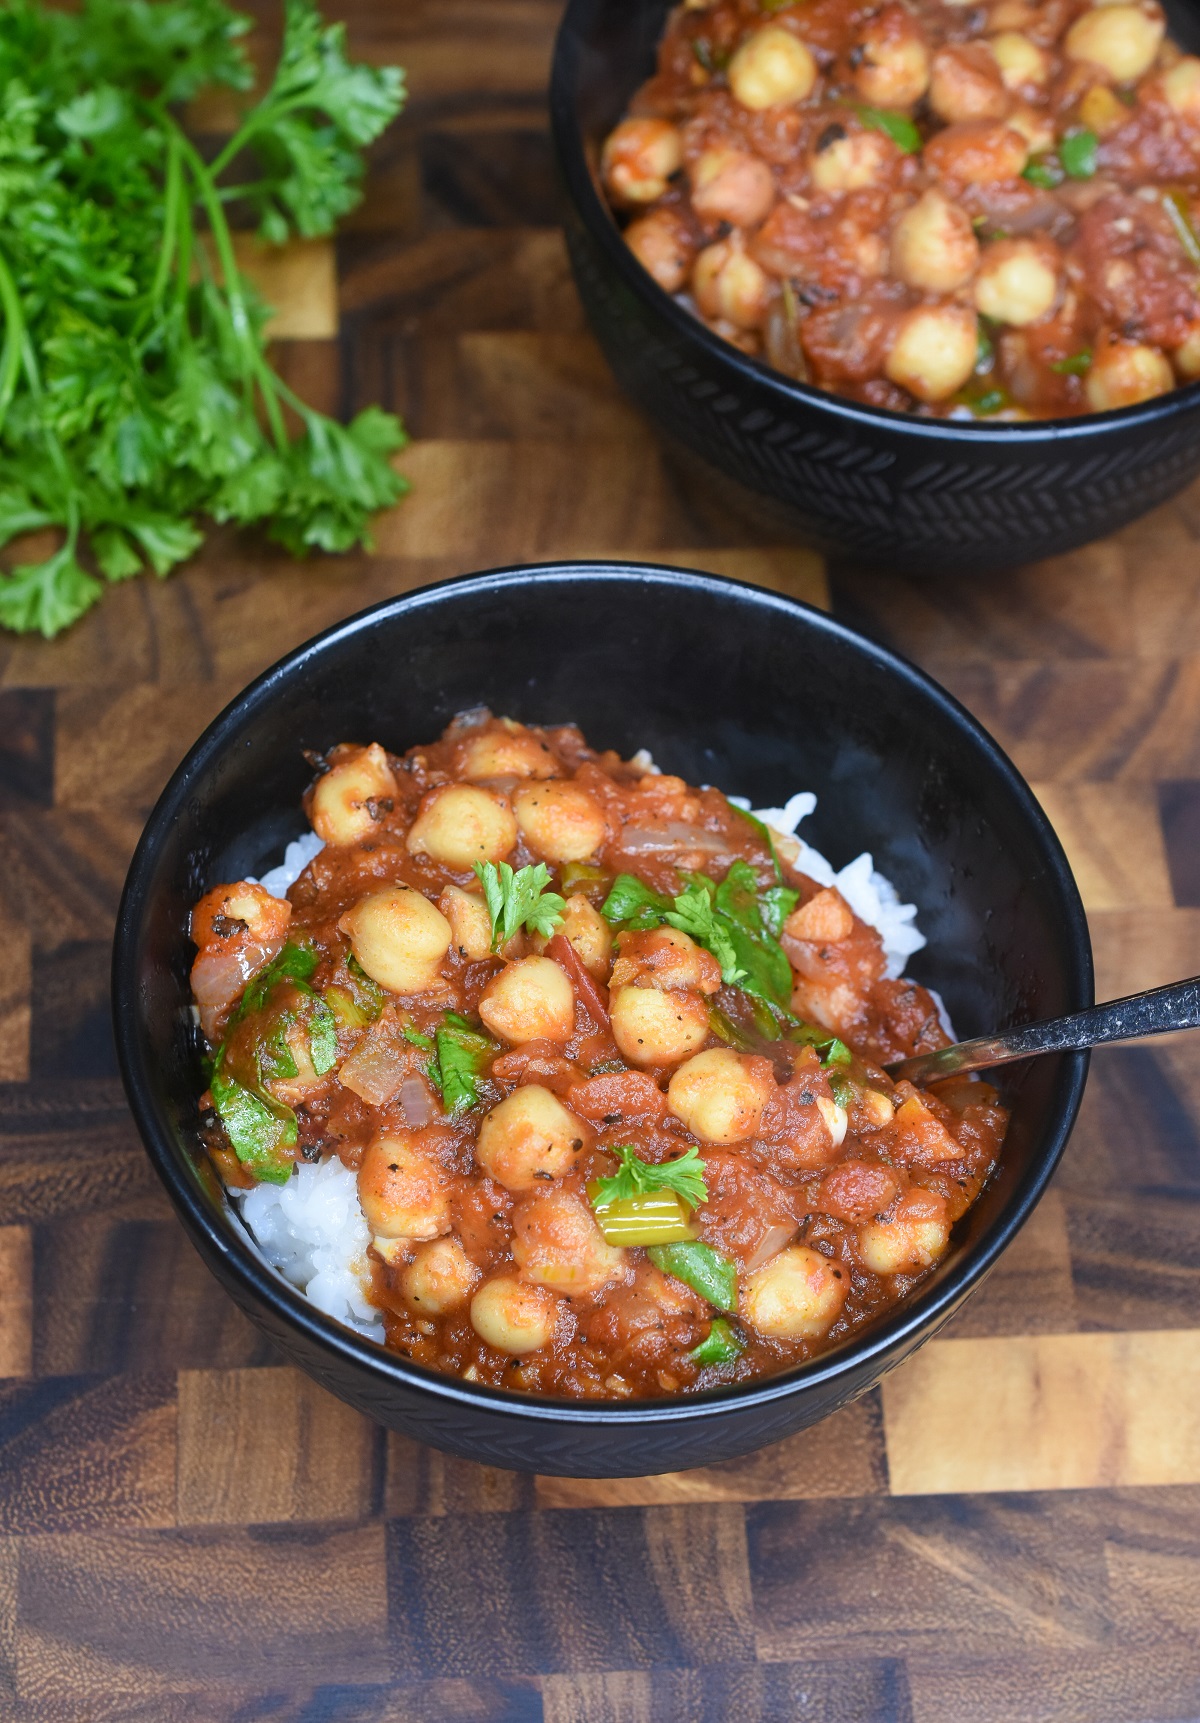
(922, 1312)
(599, 221)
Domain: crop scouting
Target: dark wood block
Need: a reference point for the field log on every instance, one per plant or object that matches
(61, 872)
(26, 747)
(870, 1691)
(1179, 810)
(80, 1453)
(122, 1290)
(139, 1617)
(69, 1148)
(485, 178)
(587, 1591)
(71, 1031)
(1136, 1264)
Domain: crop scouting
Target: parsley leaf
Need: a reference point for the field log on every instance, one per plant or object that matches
(898, 127)
(636, 1177)
(634, 904)
(136, 397)
(695, 914)
(1078, 152)
(702, 1268)
(260, 1131)
(521, 899)
(461, 1056)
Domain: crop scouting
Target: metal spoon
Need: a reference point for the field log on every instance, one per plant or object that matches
(1155, 1013)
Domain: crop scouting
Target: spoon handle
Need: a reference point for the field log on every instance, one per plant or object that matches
(1153, 1013)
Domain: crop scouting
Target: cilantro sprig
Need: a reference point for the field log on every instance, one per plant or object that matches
(635, 1178)
(519, 900)
(136, 397)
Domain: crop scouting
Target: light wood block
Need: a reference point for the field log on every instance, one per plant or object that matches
(266, 1445)
(1045, 1412)
(1114, 842)
(16, 1300)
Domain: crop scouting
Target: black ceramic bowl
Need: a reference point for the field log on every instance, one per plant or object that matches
(907, 494)
(725, 684)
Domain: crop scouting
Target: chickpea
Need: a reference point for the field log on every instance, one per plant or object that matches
(934, 351)
(977, 152)
(894, 68)
(530, 1000)
(587, 931)
(665, 957)
(638, 159)
(508, 753)
(343, 799)
(732, 185)
(934, 249)
(470, 924)
(798, 1295)
(849, 161)
(529, 1135)
(770, 67)
(663, 245)
(513, 1316)
(656, 1027)
(1036, 125)
(1023, 65)
(913, 1238)
(720, 1095)
(461, 824)
(1121, 40)
(1125, 372)
(728, 284)
(560, 821)
(966, 84)
(1181, 87)
(1017, 281)
(402, 1192)
(399, 937)
(1187, 356)
(262, 916)
(556, 1243)
(440, 1278)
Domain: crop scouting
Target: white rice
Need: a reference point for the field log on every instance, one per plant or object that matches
(313, 1230)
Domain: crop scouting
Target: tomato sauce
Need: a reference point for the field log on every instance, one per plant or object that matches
(972, 211)
(482, 1095)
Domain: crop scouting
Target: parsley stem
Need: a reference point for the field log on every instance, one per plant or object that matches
(171, 191)
(238, 311)
(14, 338)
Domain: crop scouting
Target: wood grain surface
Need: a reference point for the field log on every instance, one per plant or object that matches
(192, 1533)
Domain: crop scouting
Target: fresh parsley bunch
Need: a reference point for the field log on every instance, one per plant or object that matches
(135, 394)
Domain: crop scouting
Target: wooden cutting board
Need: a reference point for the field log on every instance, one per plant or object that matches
(1009, 1530)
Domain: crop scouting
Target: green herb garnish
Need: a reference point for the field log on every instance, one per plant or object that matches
(136, 396)
(521, 899)
(1077, 152)
(985, 348)
(1077, 365)
(294, 963)
(636, 1177)
(1043, 171)
(634, 905)
(735, 921)
(461, 1056)
(833, 1051)
(991, 401)
(763, 830)
(898, 127)
(259, 1130)
(719, 1346)
(702, 1268)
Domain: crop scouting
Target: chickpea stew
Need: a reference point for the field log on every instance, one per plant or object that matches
(605, 1064)
(963, 210)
